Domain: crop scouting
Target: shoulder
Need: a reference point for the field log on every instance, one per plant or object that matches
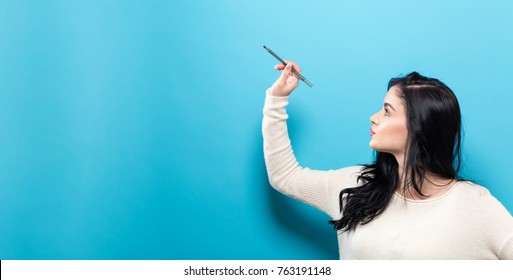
(347, 175)
(472, 190)
(478, 211)
(352, 170)
(338, 180)
(474, 193)
(479, 198)
(343, 178)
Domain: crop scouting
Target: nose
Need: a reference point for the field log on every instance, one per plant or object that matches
(374, 119)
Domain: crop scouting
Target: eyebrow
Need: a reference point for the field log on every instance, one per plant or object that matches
(389, 105)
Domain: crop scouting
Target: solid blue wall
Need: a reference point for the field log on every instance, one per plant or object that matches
(132, 129)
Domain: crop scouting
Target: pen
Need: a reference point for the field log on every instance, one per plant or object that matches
(299, 76)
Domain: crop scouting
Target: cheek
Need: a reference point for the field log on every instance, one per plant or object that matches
(399, 133)
(400, 130)
(391, 128)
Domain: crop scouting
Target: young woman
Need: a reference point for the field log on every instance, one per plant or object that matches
(408, 204)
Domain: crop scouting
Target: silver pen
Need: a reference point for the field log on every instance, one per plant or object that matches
(299, 76)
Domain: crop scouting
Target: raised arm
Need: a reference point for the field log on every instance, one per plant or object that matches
(317, 188)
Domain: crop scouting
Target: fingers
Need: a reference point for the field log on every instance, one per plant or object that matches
(287, 81)
(286, 73)
(280, 67)
(294, 65)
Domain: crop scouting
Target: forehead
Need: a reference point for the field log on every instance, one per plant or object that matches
(393, 97)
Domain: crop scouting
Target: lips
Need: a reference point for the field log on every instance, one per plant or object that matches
(372, 132)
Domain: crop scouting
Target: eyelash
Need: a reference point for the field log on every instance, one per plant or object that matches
(387, 113)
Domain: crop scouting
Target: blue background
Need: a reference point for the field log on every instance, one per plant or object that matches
(132, 129)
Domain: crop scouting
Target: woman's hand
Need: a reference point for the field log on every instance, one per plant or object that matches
(287, 81)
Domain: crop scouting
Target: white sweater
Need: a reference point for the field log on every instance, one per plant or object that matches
(465, 223)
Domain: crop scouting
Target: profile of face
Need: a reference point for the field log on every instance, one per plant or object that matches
(389, 130)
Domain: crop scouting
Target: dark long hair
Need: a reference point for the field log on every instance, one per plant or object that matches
(433, 145)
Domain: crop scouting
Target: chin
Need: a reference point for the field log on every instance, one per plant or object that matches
(373, 146)
(377, 148)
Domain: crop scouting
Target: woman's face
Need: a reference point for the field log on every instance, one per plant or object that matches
(388, 131)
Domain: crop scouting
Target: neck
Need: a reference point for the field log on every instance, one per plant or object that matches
(432, 186)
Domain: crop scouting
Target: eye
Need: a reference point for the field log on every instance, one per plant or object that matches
(387, 112)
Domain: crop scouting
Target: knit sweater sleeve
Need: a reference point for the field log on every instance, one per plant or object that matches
(506, 251)
(499, 226)
(315, 187)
